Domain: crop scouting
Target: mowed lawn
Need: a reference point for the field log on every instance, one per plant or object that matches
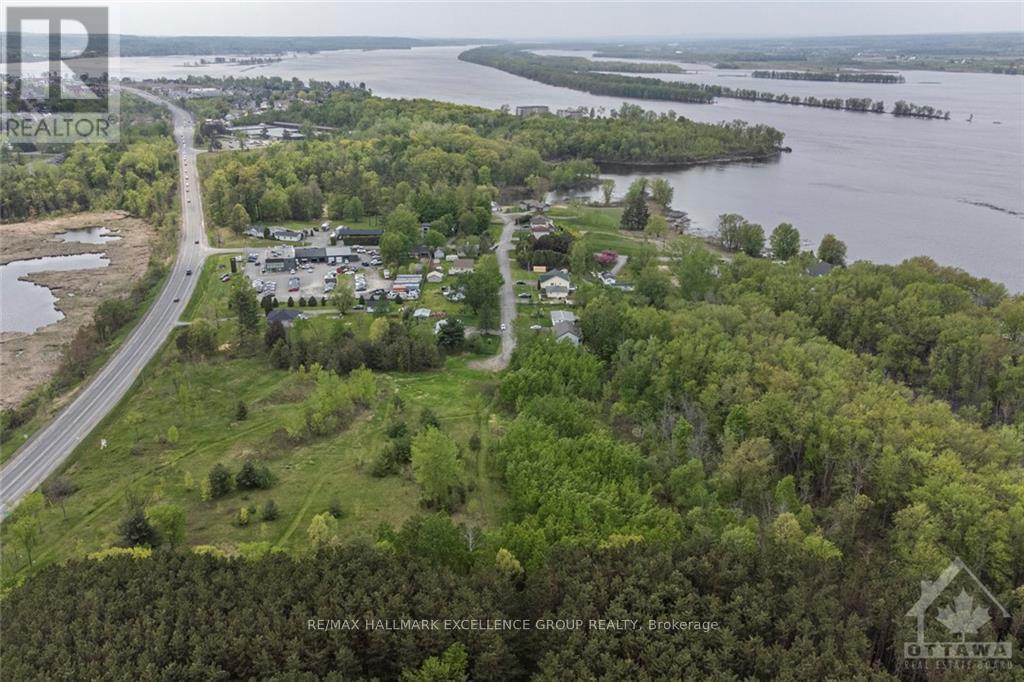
(145, 461)
(601, 225)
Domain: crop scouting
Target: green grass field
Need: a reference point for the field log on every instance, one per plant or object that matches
(179, 420)
(144, 460)
(210, 299)
(601, 225)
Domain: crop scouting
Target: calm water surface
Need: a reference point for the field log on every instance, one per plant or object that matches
(89, 235)
(27, 306)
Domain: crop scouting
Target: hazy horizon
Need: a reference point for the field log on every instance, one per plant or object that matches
(519, 21)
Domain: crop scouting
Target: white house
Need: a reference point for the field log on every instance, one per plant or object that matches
(435, 276)
(562, 316)
(554, 284)
(421, 313)
(283, 234)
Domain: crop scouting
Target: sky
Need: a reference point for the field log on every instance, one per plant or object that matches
(590, 19)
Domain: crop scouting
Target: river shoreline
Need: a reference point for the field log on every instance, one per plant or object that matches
(660, 166)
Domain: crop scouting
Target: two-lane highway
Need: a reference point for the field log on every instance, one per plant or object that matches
(49, 447)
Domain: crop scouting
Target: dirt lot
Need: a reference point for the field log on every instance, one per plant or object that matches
(29, 360)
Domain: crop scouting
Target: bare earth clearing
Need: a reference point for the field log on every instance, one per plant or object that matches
(29, 360)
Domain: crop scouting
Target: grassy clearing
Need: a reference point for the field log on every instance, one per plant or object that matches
(210, 299)
(601, 225)
(145, 460)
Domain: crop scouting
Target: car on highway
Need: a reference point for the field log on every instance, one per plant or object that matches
(177, 299)
(188, 272)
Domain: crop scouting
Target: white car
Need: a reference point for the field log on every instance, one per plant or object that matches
(504, 327)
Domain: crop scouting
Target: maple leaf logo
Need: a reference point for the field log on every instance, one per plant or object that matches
(964, 618)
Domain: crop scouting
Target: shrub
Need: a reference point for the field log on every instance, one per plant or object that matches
(135, 530)
(220, 481)
(252, 477)
(335, 509)
(270, 511)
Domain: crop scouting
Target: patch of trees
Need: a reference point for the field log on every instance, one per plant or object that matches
(391, 345)
(138, 174)
(481, 288)
(551, 250)
(831, 76)
(902, 108)
(333, 403)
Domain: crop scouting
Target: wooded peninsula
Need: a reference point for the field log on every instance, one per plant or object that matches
(594, 80)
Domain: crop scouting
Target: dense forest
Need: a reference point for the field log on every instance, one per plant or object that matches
(138, 174)
(446, 162)
(765, 457)
(552, 72)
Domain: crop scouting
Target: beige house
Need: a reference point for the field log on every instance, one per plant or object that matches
(460, 266)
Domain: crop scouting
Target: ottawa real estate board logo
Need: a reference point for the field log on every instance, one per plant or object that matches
(57, 75)
(956, 621)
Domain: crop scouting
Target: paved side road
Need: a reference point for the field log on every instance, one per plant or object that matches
(42, 454)
(500, 361)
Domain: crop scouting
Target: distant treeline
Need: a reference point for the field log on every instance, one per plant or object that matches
(837, 77)
(553, 71)
(35, 44)
(962, 52)
(584, 64)
(580, 74)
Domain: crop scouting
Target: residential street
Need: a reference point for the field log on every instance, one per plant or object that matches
(507, 299)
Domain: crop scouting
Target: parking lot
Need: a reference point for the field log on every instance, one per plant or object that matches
(311, 279)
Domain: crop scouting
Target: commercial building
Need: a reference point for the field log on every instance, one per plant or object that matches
(363, 236)
(532, 110)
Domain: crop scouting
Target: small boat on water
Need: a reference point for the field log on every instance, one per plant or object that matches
(970, 118)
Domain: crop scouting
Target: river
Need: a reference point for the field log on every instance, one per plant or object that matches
(890, 187)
